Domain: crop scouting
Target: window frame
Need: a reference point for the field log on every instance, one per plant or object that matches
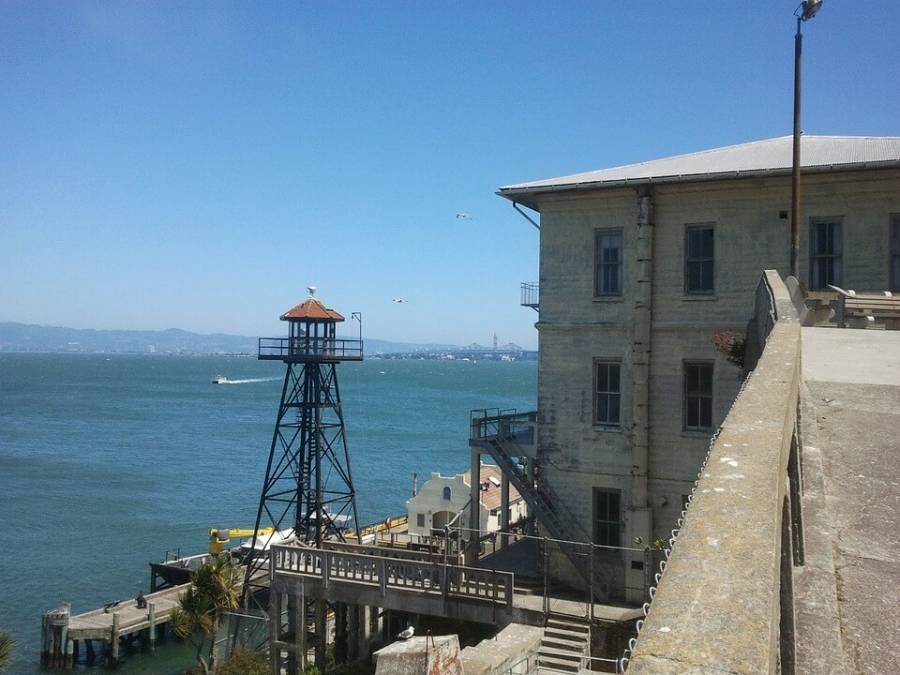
(596, 522)
(447, 494)
(688, 260)
(420, 520)
(894, 253)
(835, 221)
(686, 395)
(604, 361)
(599, 233)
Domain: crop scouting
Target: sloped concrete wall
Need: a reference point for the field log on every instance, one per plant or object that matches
(717, 608)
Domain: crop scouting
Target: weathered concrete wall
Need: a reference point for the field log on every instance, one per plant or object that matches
(438, 655)
(575, 327)
(510, 647)
(732, 534)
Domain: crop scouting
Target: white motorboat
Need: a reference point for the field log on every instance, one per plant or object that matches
(220, 379)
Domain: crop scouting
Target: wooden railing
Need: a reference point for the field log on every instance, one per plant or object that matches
(391, 552)
(421, 576)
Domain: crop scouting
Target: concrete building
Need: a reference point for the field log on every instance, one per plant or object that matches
(646, 275)
(442, 498)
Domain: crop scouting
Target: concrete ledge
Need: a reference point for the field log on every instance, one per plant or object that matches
(438, 655)
(717, 609)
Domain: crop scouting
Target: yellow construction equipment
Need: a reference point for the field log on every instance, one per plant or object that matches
(218, 538)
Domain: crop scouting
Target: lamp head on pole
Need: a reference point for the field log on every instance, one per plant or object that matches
(809, 8)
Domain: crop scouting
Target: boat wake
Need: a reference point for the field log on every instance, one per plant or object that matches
(251, 380)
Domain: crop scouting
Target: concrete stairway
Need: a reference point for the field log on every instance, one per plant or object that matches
(564, 644)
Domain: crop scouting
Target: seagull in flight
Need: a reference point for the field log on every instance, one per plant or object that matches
(400, 300)
(407, 633)
(463, 216)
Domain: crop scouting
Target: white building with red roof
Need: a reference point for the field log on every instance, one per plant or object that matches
(444, 500)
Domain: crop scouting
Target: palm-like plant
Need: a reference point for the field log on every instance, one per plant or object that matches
(214, 589)
(6, 645)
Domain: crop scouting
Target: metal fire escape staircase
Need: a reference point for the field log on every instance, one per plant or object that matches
(505, 435)
(508, 436)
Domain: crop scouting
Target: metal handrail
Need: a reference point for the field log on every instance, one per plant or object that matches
(530, 294)
(492, 422)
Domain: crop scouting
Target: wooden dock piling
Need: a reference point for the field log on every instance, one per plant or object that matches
(113, 657)
(151, 629)
(54, 636)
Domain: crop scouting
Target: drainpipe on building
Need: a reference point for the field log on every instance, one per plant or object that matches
(640, 368)
(474, 530)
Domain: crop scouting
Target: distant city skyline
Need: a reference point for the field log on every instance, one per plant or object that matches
(197, 166)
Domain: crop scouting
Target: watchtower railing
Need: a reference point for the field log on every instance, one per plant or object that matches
(310, 349)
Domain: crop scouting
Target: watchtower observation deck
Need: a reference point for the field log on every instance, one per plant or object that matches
(312, 337)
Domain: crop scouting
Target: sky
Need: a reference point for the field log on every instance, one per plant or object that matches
(197, 165)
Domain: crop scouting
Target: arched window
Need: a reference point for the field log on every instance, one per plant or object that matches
(447, 494)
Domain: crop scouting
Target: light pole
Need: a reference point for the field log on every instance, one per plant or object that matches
(806, 11)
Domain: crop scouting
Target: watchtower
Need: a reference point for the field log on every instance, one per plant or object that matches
(308, 488)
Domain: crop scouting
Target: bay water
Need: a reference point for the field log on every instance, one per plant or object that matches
(107, 462)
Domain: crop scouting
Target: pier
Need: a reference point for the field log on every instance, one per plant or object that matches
(63, 634)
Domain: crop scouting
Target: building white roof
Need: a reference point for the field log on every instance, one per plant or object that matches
(772, 156)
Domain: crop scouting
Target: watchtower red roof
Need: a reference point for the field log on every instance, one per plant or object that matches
(311, 308)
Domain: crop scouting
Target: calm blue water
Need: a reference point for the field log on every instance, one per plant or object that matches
(107, 462)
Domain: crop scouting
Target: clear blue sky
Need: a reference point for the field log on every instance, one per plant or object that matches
(196, 165)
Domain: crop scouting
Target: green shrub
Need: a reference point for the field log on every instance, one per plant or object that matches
(244, 662)
(6, 646)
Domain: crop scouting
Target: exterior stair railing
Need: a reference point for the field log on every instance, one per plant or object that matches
(507, 435)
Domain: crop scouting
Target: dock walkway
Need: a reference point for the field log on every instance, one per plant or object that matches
(62, 632)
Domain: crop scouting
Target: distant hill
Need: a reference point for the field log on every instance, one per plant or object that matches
(21, 337)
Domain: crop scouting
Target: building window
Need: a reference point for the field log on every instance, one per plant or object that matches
(698, 395)
(420, 520)
(825, 254)
(607, 393)
(446, 494)
(699, 246)
(608, 258)
(607, 517)
(895, 252)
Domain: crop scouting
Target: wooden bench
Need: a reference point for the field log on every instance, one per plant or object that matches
(867, 310)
